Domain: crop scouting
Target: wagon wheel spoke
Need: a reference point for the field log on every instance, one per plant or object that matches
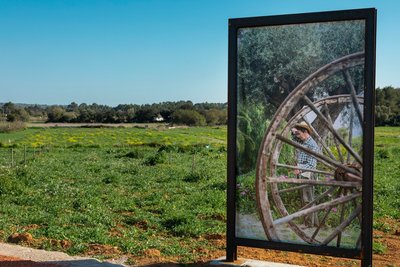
(330, 163)
(303, 169)
(350, 132)
(294, 188)
(324, 159)
(355, 206)
(326, 215)
(342, 210)
(314, 182)
(321, 141)
(342, 226)
(332, 129)
(327, 192)
(322, 222)
(328, 116)
(353, 95)
(313, 209)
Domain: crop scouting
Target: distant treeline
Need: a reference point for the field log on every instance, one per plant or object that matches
(387, 110)
(181, 112)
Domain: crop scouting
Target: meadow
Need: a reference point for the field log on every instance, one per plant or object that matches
(387, 172)
(127, 189)
(131, 190)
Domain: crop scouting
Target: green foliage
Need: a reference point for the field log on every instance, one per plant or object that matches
(196, 176)
(8, 127)
(245, 193)
(55, 114)
(18, 114)
(383, 226)
(155, 159)
(273, 61)
(188, 117)
(215, 116)
(146, 114)
(13, 113)
(178, 138)
(5, 183)
(133, 154)
(383, 154)
(182, 224)
(213, 113)
(378, 247)
(387, 110)
(252, 125)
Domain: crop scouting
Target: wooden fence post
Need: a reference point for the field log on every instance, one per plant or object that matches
(12, 157)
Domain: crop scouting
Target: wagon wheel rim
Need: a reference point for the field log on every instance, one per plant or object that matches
(268, 162)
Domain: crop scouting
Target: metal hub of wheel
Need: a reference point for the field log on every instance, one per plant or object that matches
(336, 205)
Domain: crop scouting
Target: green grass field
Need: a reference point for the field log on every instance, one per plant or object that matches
(136, 189)
(387, 172)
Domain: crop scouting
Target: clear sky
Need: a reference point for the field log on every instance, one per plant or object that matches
(145, 51)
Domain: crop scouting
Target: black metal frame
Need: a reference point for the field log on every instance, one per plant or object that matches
(369, 15)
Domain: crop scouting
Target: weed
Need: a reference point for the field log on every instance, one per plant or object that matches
(382, 226)
(155, 159)
(133, 154)
(195, 176)
(383, 154)
(9, 127)
(110, 179)
(378, 248)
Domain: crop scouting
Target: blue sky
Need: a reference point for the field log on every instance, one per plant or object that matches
(145, 51)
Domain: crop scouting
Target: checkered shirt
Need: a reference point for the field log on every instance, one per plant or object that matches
(305, 160)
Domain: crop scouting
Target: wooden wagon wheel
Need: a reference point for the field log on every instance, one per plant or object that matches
(339, 164)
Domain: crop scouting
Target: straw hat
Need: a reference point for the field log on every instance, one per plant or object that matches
(303, 125)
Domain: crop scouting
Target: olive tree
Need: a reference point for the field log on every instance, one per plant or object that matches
(273, 60)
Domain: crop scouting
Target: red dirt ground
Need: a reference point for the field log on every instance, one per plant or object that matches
(15, 262)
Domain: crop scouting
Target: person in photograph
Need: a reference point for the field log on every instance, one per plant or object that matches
(302, 134)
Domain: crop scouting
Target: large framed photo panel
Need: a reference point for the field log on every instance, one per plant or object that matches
(300, 133)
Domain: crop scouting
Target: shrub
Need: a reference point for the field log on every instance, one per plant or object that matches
(182, 224)
(252, 124)
(5, 184)
(168, 148)
(193, 177)
(383, 154)
(8, 127)
(188, 117)
(158, 158)
(133, 154)
(215, 116)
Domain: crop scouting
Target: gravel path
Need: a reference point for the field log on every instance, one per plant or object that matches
(19, 256)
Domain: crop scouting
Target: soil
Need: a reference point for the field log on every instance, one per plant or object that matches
(6, 261)
(389, 256)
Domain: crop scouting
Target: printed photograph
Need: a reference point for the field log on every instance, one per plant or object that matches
(300, 98)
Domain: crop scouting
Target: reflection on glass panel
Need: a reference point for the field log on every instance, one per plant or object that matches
(299, 135)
